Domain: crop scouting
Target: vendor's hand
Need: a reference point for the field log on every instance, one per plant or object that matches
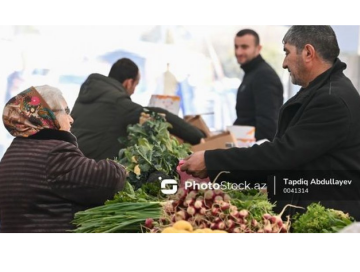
(195, 165)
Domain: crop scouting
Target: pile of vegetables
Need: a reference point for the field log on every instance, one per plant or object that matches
(151, 150)
(213, 209)
(319, 219)
(125, 213)
(254, 201)
(151, 153)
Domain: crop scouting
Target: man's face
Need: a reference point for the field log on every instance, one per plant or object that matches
(131, 85)
(295, 64)
(246, 49)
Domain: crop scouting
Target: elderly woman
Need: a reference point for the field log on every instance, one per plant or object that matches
(44, 177)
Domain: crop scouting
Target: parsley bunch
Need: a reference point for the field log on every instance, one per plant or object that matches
(319, 219)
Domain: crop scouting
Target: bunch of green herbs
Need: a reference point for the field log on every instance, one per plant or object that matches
(318, 219)
(151, 148)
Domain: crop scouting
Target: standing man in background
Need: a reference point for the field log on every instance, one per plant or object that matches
(260, 94)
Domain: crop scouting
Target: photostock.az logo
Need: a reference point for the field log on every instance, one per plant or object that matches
(172, 184)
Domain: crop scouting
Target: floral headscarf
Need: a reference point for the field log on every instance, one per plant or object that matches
(28, 113)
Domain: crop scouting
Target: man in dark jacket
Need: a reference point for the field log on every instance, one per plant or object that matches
(104, 110)
(260, 94)
(318, 138)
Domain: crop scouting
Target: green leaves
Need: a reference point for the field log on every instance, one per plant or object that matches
(319, 219)
(116, 217)
(151, 148)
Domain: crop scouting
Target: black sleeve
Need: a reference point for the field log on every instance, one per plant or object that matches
(323, 126)
(268, 96)
(180, 127)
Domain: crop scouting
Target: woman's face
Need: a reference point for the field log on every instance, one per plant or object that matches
(63, 116)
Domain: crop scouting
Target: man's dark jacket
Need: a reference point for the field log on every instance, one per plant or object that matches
(259, 98)
(102, 113)
(319, 131)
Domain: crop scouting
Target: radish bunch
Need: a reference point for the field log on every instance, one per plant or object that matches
(212, 209)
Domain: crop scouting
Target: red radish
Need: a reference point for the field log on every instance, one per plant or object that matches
(230, 230)
(208, 203)
(267, 216)
(254, 223)
(233, 208)
(215, 211)
(219, 192)
(227, 198)
(181, 193)
(191, 195)
(242, 227)
(218, 199)
(188, 202)
(202, 211)
(234, 214)
(149, 223)
(243, 213)
(221, 226)
(276, 220)
(217, 220)
(230, 223)
(209, 194)
(191, 211)
(260, 231)
(198, 204)
(224, 206)
(236, 230)
(213, 226)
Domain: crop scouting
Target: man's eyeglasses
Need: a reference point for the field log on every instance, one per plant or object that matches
(67, 110)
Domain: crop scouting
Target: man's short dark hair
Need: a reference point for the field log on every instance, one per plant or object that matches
(322, 38)
(124, 69)
(244, 32)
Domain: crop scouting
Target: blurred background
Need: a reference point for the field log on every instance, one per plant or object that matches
(196, 63)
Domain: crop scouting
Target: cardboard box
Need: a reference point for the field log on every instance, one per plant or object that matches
(168, 102)
(245, 135)
(197, 121)
(216, 142)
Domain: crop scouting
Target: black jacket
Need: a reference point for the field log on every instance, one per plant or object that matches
(259, 98)
(102, 113)
(45, 180)
(319, 132)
